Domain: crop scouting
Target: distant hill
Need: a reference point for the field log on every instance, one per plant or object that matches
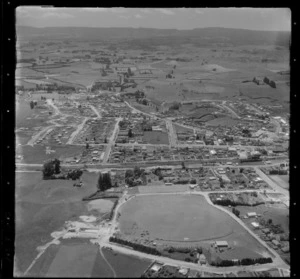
(202, 36)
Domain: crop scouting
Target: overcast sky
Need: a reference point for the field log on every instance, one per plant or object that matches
(278, 19)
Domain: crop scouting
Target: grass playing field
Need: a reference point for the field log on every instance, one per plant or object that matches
(185, 220)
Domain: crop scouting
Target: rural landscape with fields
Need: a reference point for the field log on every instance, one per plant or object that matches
(151, 152)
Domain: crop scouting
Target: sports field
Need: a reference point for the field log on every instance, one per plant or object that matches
(176, 218)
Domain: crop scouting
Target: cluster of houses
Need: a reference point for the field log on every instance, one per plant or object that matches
(56, 135)
(96, 131)
(277, 241)
(71, 107)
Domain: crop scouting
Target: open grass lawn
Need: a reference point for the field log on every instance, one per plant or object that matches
(23, 111)
(156, 137)
(126, 266)
(163, 189)
(185, 219)
(37, 154)
(43, 206)
(223, 121)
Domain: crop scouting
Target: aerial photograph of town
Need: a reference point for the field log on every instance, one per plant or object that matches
(152, 142)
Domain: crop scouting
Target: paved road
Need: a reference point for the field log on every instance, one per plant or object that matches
(111, 141)
(272, 183)
(50, 103)
(95, 111)
(39, 135)
(131, 165)
(75, 133)
(172, 133)
(230, 110)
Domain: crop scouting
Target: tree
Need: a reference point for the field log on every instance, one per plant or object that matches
(100, 181)
(270, 221)
(56, 163)
(87, 146)
(129, 72)
(48, 170)
(130, 134)
(31, 104)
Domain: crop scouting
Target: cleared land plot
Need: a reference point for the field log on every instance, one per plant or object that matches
(37, 154)
(156, 137)
(126, 266)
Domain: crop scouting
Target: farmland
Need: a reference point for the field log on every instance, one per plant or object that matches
(42, 207)
(126, 266)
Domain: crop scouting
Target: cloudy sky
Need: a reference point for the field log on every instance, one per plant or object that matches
(278, 19)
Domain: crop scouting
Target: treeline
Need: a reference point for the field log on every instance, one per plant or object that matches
(184, 250)
(232, 203)
(270, 82)
(136, 246)
(52, 170)
(111, 214)
(100, 195)
(280, 172)
(246, 261)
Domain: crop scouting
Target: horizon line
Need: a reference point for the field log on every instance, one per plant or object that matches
(130, 27)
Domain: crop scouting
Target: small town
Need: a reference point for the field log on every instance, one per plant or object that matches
(150, 161)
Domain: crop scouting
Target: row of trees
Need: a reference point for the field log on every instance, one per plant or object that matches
(111, 214)
(136, 246)
(280, 172)
(184, 250)
(227, 202)
(246, 261)
(270, 82)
